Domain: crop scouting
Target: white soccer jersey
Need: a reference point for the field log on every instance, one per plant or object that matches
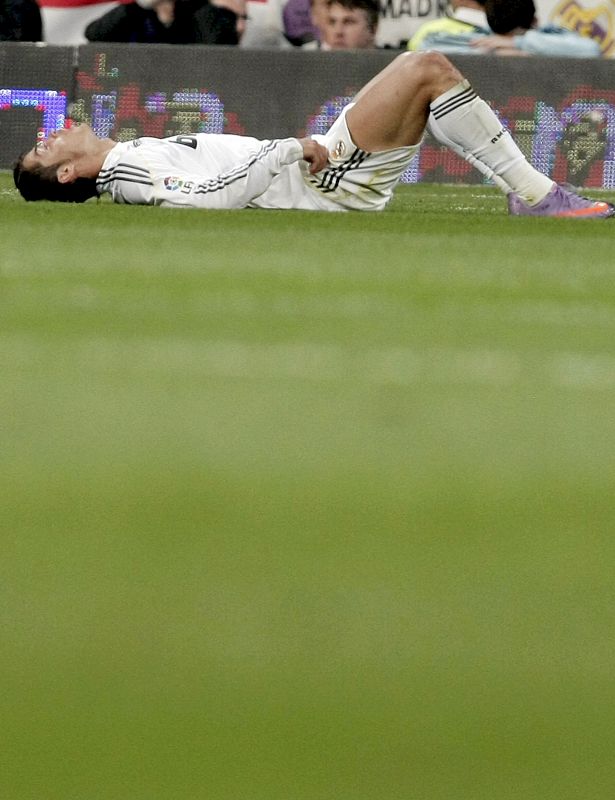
(226, 171)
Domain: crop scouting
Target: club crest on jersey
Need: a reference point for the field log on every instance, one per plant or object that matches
(339, 151)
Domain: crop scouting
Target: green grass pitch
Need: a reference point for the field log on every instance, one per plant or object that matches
(304, 506)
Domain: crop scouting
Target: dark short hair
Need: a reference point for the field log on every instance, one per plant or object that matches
(505, 16)
(41, 183)
(371, 8)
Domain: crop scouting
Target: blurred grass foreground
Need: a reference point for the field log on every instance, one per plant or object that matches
(304, 506)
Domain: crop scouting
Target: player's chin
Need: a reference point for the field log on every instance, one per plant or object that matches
(82, 127)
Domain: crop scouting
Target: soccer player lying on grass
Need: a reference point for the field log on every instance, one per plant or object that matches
(355, 166)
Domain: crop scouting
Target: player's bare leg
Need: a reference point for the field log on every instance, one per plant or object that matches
(393, 108)
(416, 79)
(419, 90)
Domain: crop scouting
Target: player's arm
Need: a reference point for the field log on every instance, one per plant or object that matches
(238, 186)
(315, 154)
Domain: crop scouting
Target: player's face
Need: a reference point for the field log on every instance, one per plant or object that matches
(61, 146)
(347, 28)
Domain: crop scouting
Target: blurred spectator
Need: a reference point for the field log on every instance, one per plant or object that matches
(64, 21)
(501, 27)
(345, 25)
(20, 21)
(171, 22)
(464, 19)
(298, 17)
(265, 26)
(516, 32)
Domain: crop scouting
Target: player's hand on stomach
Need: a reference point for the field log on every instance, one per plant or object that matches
(315, 154)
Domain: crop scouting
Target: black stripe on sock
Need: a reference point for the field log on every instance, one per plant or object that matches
(453, 103)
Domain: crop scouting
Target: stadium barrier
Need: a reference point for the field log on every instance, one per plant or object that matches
(561, 112)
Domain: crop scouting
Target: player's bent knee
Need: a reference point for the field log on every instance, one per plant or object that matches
(428, 65)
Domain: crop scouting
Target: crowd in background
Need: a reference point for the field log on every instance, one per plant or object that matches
(501, 27)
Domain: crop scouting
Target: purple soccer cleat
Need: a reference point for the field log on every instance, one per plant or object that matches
(561, 202)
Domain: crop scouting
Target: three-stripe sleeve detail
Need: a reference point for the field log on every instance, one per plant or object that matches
(124, 172)
(225, 180)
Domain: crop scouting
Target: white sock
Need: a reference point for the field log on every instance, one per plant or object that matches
(436, 131)
(466, 124)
